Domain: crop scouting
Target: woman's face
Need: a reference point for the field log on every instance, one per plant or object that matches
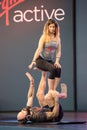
(51, 28)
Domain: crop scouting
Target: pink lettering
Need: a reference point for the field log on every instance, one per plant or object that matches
(6, 6)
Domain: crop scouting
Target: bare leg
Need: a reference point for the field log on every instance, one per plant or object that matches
(54, 93)
(49, 99)
(55, 98)
(41, 90)
(56, 83)
(53, 83)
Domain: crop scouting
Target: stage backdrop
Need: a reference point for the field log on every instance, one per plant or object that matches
(21, 25)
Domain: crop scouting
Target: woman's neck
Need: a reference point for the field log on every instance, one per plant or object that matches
(52, 37)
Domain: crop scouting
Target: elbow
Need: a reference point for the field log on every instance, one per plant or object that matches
(39, 50)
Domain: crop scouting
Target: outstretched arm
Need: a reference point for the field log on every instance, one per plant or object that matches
(30, 95)
(22, 114)
(37, 52)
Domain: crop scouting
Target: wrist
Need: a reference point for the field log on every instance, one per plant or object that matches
(33, 61)
(56, 61)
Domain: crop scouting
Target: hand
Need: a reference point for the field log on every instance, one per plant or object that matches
(57, 65)
(31, 65)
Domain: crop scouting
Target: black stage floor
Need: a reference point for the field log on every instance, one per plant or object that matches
(70, 121)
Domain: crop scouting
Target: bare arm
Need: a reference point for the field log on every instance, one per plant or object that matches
(22, 114)
(30, 95)
(38, 51)
(58, 52)
(58, 55)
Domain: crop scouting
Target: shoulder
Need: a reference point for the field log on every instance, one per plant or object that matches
(42, 37)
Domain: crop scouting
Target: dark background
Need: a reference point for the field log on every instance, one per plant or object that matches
(18, 42)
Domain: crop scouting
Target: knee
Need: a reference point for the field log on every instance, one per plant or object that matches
(39, 96)
(48, 96)
(58, 70)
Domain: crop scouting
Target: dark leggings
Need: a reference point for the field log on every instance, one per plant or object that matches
(48, 66)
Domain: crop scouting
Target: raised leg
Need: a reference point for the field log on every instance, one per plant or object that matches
(41, 90)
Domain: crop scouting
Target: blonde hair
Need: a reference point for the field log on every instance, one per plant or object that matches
(46, 31)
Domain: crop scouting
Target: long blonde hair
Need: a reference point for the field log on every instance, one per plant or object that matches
(46, 31)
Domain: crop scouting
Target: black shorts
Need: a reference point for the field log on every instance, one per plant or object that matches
(48, 66)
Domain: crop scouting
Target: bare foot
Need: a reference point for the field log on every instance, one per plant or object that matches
(29, 76)
(63, 93)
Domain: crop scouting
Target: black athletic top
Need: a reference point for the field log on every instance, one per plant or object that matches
(38, 114)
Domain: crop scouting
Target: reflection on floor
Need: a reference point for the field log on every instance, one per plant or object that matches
(71, 121)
